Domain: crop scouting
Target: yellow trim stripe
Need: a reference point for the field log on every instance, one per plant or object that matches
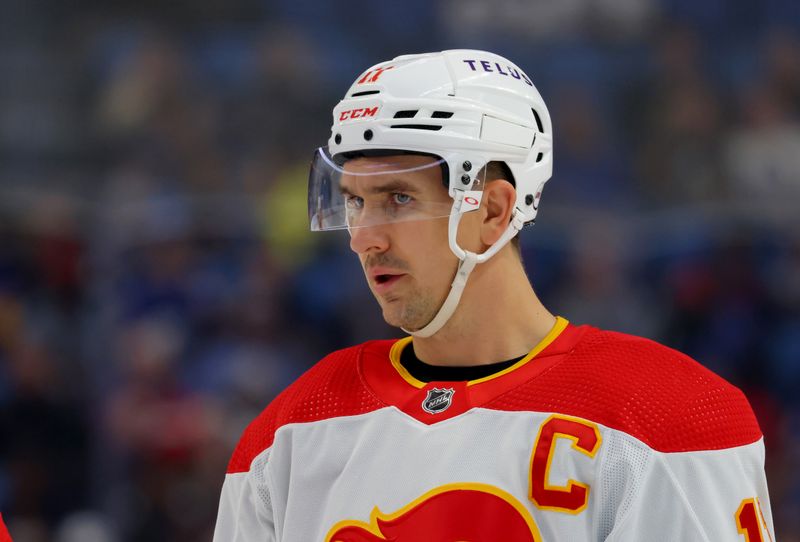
(394, 357)
(560, 325)
(397, 348)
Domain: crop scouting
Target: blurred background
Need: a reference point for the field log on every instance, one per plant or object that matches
(158, 285)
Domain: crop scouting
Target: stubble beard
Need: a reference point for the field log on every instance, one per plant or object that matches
(412, 307)
(412, 311)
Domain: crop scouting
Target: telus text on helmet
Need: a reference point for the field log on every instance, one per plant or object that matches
(496, 67)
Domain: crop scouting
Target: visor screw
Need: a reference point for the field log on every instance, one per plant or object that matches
(465, 179)
(367, 134)
(337, 138)
(529, 199)
(467, 165)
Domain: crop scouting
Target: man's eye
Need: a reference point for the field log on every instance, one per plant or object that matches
(354, 202)
(400, 198)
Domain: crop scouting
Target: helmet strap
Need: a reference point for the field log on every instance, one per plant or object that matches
(468, 262)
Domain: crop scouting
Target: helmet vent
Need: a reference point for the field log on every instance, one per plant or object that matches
(538, 121)
(364, 93)
(417, 127)
(407, 114)
(442, 114)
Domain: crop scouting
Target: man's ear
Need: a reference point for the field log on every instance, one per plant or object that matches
(497, 205)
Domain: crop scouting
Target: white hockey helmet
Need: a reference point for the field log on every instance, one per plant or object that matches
(464, 107)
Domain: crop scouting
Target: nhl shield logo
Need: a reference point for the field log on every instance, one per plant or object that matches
(438, 400)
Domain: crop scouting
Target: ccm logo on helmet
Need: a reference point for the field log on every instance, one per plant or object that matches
(496, 67)
(359, 113)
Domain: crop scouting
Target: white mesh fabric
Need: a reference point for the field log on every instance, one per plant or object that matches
(622, 464)
(693, 496)
(259, 479)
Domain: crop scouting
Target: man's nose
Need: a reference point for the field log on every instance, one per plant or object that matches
(365, 239)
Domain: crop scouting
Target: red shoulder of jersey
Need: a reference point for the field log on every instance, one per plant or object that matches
(653, 393)
(331, 388)
(4, 536)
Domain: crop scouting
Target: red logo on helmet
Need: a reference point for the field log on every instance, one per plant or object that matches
(451, 513)
(372, 75)
(359, 113)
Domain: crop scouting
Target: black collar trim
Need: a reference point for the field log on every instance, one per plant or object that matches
(437, 373)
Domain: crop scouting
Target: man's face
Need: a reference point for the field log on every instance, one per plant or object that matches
(399, 231)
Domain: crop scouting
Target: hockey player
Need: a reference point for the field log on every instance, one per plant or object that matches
(493, 420)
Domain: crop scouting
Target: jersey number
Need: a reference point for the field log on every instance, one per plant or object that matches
(747, 521)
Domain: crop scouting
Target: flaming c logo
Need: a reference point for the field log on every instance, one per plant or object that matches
(450, 513)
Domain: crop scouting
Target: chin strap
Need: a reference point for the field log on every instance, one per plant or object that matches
(449, 306)
(468, 262)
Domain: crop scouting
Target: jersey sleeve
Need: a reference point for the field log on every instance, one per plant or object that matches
(700, 495)
(245, 508)
(250, 507)
(697, 470)
(4, 536)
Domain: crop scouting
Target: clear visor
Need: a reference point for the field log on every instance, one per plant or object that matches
(374, 189)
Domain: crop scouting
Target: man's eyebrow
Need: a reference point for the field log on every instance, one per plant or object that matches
(395, 185)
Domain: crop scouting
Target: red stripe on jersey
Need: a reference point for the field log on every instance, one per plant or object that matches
(332, 388)
(651, 392)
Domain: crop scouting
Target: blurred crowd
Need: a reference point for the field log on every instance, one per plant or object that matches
(158, 283)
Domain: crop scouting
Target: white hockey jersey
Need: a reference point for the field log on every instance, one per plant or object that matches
(592, 436)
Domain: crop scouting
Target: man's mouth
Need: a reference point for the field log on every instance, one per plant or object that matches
(383, 278)
(384, 281)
